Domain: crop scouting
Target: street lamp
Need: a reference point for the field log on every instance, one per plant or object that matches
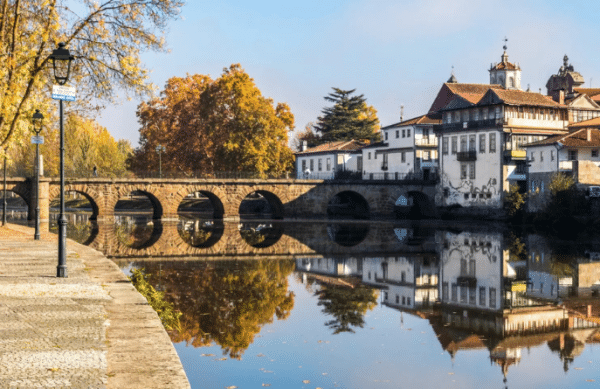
(37, 119)
(159, 150)
(61, 63)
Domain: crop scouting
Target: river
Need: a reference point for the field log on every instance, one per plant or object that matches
(356, 304)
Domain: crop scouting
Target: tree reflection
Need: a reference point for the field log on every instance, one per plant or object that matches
(226, 302)
(348, 306)
(135, 234)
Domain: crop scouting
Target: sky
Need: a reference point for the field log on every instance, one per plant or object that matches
(394, 52)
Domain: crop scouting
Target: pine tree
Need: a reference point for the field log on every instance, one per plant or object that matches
(349, 118)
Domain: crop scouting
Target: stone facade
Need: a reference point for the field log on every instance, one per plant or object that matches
(288, 198)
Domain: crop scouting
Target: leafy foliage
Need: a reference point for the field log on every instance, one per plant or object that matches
(87, 145)
(514, 200)
(226, 302)
(222, 125)
(348, 306)
(560, 182)
(348, 118)
(167, 314)
(106, 39)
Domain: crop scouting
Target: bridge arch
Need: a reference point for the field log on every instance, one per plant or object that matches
(214, 193)
(274, 195)
(90, 195)
(414, 204)
(348, 203)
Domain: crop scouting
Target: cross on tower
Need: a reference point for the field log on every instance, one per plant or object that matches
(505, 40)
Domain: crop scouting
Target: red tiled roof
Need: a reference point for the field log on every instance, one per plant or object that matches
(595, 122)
(423, 119)
(517, 97)
(576, 138)
(506, 66)
(342, 145)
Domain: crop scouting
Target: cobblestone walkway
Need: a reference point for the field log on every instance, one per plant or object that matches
(90, 330)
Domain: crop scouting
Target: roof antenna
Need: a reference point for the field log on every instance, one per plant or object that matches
(401, 112)
(505, 40)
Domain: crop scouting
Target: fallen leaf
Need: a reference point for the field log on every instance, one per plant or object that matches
(207, 355)
(266, 384)
(306, 382)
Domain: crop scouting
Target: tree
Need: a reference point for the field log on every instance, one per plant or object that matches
(514, 200)
(214, 126)
(227, 303)
(87, 143)
(349, 118)
(106, 43)
(348, 306)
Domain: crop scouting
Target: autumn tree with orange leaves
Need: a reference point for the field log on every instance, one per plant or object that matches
(209, 126)
(105, 37)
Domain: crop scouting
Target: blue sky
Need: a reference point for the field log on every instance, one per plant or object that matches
(393, 52)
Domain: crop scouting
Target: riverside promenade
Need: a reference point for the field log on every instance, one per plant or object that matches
(90, 330)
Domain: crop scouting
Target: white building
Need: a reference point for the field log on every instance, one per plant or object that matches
(482, 133)
(323, 161)
(408, 150)
(576, 153)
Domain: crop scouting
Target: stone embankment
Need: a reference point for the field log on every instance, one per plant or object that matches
(90, 330)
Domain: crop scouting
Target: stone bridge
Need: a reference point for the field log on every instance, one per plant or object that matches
(288, 198)
(296, 239)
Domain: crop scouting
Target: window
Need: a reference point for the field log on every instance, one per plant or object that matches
(304, 165)
(492, 297)
(404, 133)
(403, 156)
(444, 291)
(492, 143)
(329, 164)
(397, 134)
(454, 145)
(482, 143)
(408, 301)
(463, 294)
(408, 133)
(473, 296)
(425, 155)
(384, 163)
(541, 156)
(463, 171)
(312, 165)
(369, 155)
(463, 143)
(320, 164)
(454, 292)
(386, 135)
(552, 155)
(472, 170)
(572, 155)
(482, 296)
(532, 156)
(472, 145)
(397, 299)
(594, 153)
(445, 145)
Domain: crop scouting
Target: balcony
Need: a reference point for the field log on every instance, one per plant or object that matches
(431, 141)
(472, 124)
(515, 155)
(463, 156)
(565, 166)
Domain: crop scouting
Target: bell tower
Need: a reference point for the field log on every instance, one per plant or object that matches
(505, 73)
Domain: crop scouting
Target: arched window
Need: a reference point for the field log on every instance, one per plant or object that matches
(511, 82)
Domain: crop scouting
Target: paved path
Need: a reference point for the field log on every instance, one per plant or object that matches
(90, 330)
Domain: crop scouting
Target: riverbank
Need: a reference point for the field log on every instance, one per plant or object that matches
(90, 330)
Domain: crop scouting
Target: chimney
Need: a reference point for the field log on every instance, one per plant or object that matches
(561, 96)
(304, 145)
(589, 134)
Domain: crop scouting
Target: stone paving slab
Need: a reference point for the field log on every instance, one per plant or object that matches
(90, 330)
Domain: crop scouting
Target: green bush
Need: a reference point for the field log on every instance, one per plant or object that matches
(167, 314)
(514, 200)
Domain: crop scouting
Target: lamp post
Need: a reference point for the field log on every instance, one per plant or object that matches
(37, 119)
(61, 63)
(159, 150)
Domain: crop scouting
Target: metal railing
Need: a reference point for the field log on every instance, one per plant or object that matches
(470, 155)
(431, 141)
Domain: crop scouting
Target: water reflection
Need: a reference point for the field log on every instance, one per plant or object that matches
(226, 303)
(485, 292)
(137, 232)
(202, 233)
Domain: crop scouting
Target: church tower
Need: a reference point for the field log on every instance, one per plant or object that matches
(505, 73)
